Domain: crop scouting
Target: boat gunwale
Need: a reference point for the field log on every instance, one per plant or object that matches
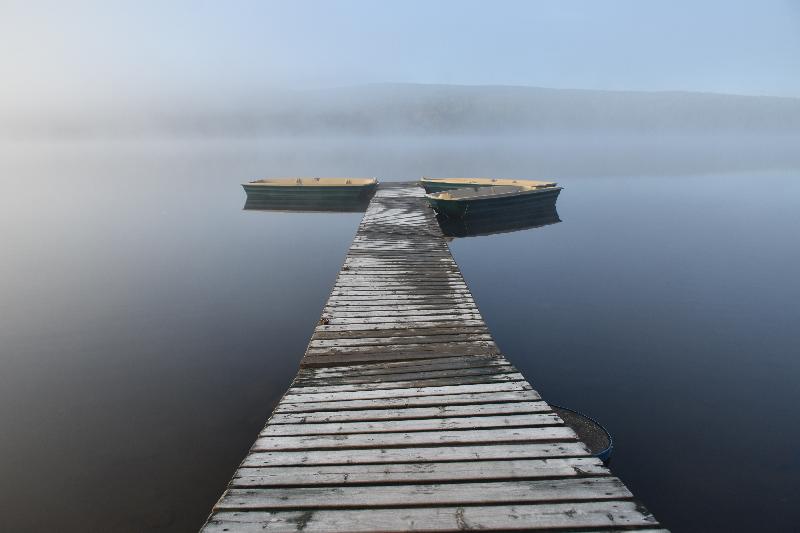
(484, 182)
(310, 182)
(524, 191)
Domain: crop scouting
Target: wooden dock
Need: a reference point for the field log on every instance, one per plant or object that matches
(405, 416)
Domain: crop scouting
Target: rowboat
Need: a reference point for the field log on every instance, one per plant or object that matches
(488, 201)
(445, 184)
(308, 189)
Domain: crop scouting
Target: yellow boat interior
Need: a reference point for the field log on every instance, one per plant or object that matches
(490, 182)
(494, 191)
(315, 182)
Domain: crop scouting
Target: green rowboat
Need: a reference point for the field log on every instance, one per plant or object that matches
(308, 189)
(488, 201)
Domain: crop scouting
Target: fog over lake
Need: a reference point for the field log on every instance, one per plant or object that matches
(415, 110)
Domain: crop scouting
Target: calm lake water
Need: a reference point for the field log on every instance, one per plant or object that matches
(148, 324)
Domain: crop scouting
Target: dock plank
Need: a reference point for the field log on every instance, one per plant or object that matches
(424, 424)
(442, 411)
(422, 454)
(407, 366)
(610, 515)
(374, 379)
(422, 438)
(488, 492)
(300, 395)
(350, 474)
(410, 401)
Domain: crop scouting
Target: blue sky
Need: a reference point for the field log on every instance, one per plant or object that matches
(103, 50)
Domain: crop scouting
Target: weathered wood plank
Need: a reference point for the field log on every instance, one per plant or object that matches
(416, 383)
(313, 360)
(437, 346)
(410, 401)
(399, 282)
(428, 382)
(409, 366)
(405, 302)
(408, 291)
(398, 321)
(409, 299)
(352, 304)
(419, 472)
(356, 496)
(422, 454)
(430, 424)
(440, 264)
(389, 253)
(359, 333)
(344, 357)
(442, 411)
(312, 380)
(422, 308)
(388, 324)
(442, 346)
(556, 516)
(454, 312)
(400, 272)
(301, 395)
(376, 282)
(385, 274)
(394, 341)
(422, 438)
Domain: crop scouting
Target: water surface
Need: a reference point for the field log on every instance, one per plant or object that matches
(149, 323)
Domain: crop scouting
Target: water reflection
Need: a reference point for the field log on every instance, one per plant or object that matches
(534, 214)
(308, 203)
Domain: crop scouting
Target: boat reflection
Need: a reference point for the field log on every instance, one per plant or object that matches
(533, 214)
(309, 204)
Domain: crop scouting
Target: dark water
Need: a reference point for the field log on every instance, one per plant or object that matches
(148, 323)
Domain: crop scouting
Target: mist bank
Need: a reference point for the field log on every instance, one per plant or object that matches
(407, 109)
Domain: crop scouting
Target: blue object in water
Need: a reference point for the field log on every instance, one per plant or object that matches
(592, 432)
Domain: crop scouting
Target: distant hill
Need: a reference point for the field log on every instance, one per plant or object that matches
(449, 109)
(408, 109)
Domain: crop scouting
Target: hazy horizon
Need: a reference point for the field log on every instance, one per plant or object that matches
(421, 109)
(111, 54)
(120, 69)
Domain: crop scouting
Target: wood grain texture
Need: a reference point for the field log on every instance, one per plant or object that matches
(350, 474)
(405, 416)
(411, 401)
(443, 411)
(308, 394)
(608, 515)
(488, 492)
(419, 424)
(416, 438)
(422, 454)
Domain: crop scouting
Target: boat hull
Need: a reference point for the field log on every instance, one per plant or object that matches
(487, 206)
(304, 192)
